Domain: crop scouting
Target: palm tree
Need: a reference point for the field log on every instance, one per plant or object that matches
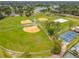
(53, 29)
(56, 49)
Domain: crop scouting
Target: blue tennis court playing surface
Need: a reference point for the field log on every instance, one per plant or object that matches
(68, 36)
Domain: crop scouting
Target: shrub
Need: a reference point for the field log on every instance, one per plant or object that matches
(57, 47)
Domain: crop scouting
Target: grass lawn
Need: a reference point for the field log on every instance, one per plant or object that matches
(18, 40)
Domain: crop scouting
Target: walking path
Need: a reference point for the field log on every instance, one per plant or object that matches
(15, 53)
(11, 52)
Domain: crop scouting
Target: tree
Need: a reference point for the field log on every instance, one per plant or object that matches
(52, 29)
(56, 47)
(29, 11)
(5, 10)
(1, 16)
(8, 11)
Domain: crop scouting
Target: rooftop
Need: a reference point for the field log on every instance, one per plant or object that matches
(60, 20)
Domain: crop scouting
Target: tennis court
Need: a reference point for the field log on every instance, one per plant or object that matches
(68, 36)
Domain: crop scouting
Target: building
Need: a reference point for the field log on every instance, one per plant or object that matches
(76, 29)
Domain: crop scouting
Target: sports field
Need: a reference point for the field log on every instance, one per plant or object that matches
(13, 37)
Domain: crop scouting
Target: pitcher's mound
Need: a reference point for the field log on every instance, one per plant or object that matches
(42, 19)
(32, 29)
(26, 21)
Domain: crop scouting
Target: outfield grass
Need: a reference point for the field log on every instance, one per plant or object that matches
(19, 40)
